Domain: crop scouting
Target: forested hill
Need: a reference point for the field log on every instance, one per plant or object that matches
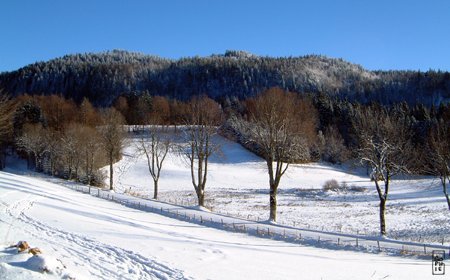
(102, 77)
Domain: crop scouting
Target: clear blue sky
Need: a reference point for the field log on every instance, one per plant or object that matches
(396, 34)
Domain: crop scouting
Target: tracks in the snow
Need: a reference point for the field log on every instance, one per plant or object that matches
(103, 261)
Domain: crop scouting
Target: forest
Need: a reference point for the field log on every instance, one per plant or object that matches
(103, 77)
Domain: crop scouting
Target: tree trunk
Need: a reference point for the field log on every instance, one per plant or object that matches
(273, 204)
(444, 186)
(2, 159)
(201, 198)
(111, 174)
(155, 189)
(382, 218)
(36, 163)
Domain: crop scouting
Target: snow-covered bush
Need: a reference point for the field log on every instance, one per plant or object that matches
(331, 185)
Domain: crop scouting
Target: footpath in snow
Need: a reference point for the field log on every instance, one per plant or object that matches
(100, 239)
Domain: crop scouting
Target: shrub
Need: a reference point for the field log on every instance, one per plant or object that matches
(358, 189)
(331, 185)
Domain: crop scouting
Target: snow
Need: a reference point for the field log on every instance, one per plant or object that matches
(106, 240)
(99, 239)
(237, 185)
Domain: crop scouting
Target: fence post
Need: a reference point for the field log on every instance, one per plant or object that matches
(378, 243)
(339, 240)
(356, 241)
(424, 249)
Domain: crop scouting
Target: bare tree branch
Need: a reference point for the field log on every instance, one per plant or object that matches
(113, 138)
(155, 147)
(276, 127)
(204, 115)
(384, 146)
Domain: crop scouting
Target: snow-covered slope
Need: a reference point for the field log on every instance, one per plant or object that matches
(238, 185)
(98, 239)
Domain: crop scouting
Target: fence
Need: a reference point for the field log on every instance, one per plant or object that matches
(301, 236)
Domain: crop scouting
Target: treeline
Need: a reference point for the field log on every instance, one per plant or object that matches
(58, 136)
(103, 77)
(70, 140)
(328, 126)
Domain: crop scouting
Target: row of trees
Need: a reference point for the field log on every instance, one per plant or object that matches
(63, 139)
(283, 127)
(201, 120)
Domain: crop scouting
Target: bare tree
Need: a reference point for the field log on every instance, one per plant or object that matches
(57, 111)
(277, 130)
(204, 115)
(91, 150)
(53, 138)
(33, 141)
(160, 110)
(6, 115)
(71, 150)
(87, 115)
(438, 163)
(385, 148)
(155, 148)
(333, 147)
(112, 138)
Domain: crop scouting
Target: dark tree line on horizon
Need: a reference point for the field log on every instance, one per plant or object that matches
(103, 77)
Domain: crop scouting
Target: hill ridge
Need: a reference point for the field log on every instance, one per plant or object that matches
(104, 76)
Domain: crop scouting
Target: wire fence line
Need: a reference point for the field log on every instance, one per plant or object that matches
(190, 201)
(292, 234)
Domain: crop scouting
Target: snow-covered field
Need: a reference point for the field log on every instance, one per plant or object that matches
(86, 237)
(238, 186)
(99, 239)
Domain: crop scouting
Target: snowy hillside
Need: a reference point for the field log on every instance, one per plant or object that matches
(98, 239)
(86, 237)
(238, 186)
